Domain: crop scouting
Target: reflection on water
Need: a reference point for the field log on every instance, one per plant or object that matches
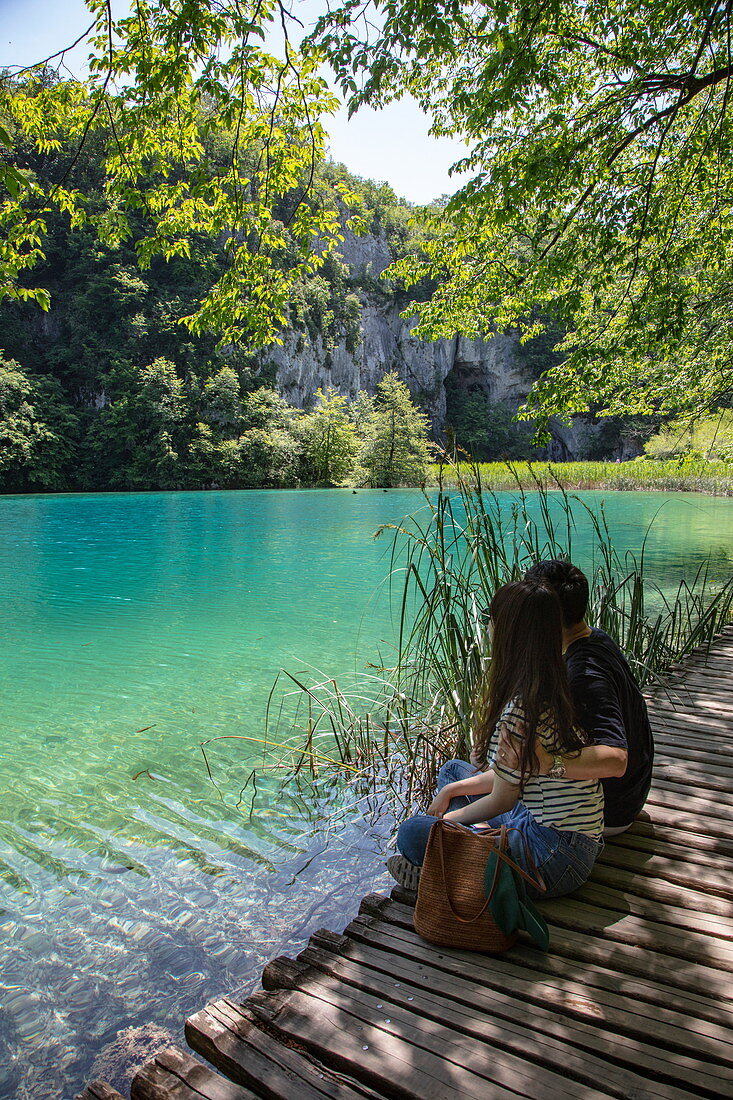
(133, 627)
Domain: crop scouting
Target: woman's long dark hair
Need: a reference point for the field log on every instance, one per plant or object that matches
(527, 664)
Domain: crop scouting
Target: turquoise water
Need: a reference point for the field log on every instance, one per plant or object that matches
(133, 627)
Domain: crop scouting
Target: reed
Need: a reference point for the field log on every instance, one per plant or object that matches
(686, 474)
(395, 727)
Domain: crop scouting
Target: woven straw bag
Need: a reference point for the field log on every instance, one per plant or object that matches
(452, 909)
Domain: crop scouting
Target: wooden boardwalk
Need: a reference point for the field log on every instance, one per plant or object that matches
(634, 999)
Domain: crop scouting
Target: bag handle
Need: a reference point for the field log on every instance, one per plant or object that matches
(502, 854)
(484, 907)
(537, 881)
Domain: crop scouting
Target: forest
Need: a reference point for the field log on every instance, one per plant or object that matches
(174, 213)
(107, 389)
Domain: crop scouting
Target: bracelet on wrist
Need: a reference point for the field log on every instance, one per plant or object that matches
(557, 771)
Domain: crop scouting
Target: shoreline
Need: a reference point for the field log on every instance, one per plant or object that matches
(708, 477)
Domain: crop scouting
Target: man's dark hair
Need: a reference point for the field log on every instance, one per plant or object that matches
(568, 582)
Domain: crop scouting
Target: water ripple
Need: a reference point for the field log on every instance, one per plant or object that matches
(133, 627)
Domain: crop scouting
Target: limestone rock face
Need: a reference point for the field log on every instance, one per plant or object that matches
(494, 366)
(498, 367)
(387, 344)
(368, 254)
(304, 364)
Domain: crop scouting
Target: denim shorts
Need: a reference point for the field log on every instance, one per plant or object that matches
(564, 859)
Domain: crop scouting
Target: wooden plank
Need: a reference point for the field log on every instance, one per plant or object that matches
(701, 717)
(692, 880)
(668, 748)
(715, 662)
(407, 1058)
(665, 899)
(175, 1075)
(454, 1024)
(687, 704)
(656, 837)
(696, 685)
(693, 778)
(705, 729)
(678, 948)
(230, 1037)
(677, 731)
(671, 749)
(691, 987)
(695, 854)
(671, 740)
(665, 810)
(563, 1044)
(698, 681)
(699, 762)
(696, 703)
(99, 1090)
(561, 993)
(524, 963)
(676, 777)
(678, 795)
(682, 694)
(660, 970)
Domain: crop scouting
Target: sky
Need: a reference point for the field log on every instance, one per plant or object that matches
(391, 145)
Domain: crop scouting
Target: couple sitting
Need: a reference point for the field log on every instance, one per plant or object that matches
(563, 748)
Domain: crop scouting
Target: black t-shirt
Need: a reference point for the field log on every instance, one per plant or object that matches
(611, 710)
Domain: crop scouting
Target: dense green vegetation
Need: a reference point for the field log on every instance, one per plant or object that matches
(161, 432)
(108, 390)
(708, 437)
(598, 138)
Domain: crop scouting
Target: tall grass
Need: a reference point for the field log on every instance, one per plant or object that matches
(691, 474)
(398, 724)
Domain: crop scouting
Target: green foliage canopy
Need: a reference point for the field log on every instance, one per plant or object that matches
(599, 137)
(164, 84)
(709, 437)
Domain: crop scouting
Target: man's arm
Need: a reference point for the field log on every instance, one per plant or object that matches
(592, 762)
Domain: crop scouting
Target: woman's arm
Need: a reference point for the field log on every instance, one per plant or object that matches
(481, 783)
(504, 796)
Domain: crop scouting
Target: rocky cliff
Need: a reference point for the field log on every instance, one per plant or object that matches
(501, 368)
(498, 366)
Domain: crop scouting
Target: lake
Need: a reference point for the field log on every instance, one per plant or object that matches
(133, 628)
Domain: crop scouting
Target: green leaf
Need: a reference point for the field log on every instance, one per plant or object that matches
(532, 921)
(504, 904)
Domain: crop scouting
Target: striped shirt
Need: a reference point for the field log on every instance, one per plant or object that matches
(575, 805)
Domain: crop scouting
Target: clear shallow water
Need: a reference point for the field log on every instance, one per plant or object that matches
(133, 627)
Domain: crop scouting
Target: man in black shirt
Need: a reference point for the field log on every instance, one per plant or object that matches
(609, 706)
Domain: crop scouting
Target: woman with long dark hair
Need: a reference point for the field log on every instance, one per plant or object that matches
(558, 822)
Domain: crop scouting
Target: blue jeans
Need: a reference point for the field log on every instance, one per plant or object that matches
(564, 859)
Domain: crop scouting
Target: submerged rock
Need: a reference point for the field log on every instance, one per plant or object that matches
(118, 1062)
